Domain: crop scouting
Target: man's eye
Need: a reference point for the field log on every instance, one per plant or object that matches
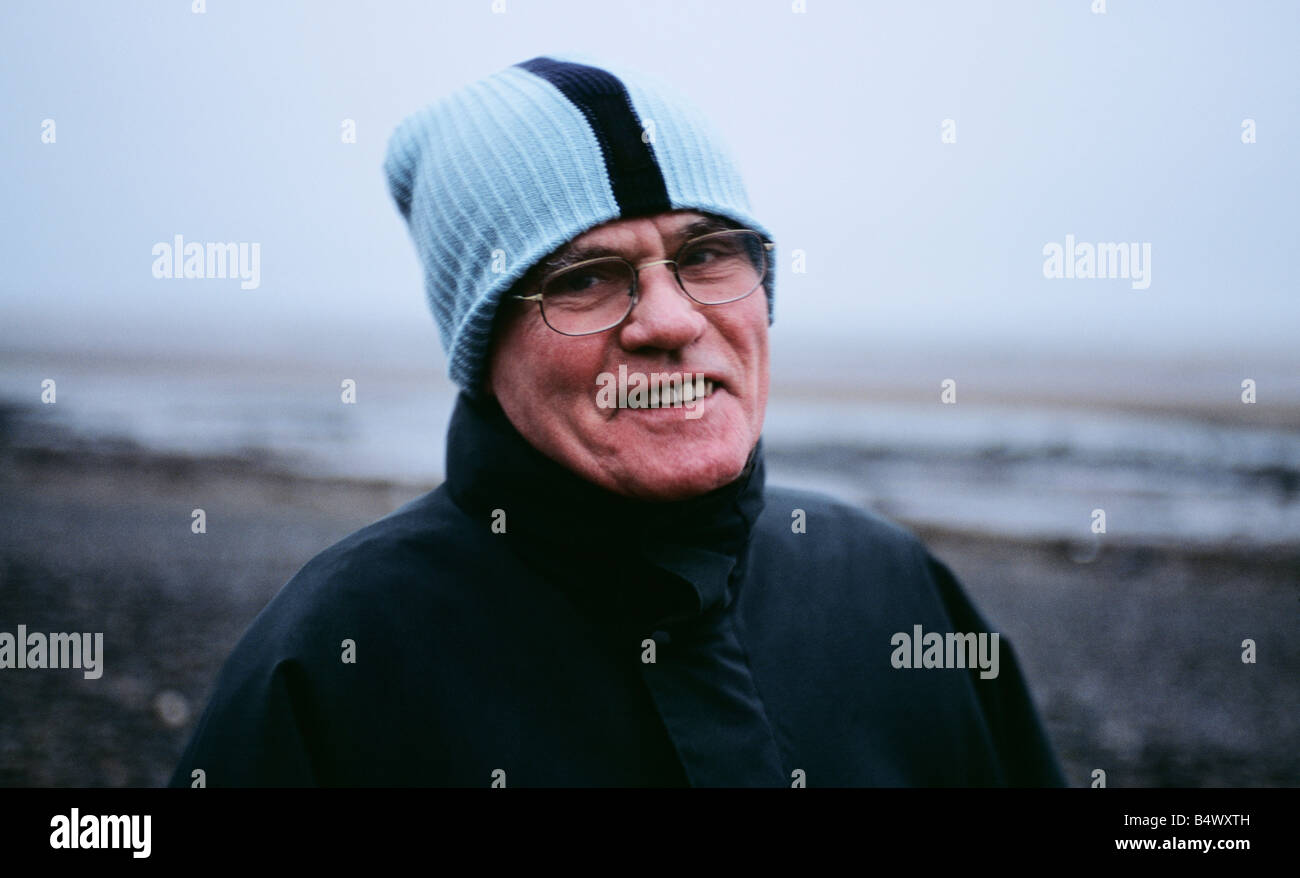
(711, 255)
(576, 283)
(701, 256)
(586, 281)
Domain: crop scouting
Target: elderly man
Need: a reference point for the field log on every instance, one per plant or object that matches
(604, 592)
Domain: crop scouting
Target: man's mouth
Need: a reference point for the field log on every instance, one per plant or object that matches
(686, 393)
(644, 392)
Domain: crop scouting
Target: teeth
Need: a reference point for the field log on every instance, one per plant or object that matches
(678, 396)
(691, 393)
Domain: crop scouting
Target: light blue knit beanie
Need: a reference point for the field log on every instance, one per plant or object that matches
(497, 175)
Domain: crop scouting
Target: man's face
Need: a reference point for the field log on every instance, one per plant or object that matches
(547, 383)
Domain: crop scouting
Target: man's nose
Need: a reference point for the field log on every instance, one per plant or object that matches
(664, 316)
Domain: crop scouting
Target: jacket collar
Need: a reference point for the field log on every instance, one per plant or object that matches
(627, 562)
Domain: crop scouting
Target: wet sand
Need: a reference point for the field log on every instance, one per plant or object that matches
(1133, 656)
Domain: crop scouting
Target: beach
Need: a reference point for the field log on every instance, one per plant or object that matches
(1132, 650)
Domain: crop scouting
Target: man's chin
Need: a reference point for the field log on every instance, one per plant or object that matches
(680, 475)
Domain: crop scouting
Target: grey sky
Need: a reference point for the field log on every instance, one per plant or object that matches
(225, 126)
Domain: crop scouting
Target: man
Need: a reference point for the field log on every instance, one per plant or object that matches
(604, 592)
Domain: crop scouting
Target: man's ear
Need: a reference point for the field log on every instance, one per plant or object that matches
(487, 384)
(507, 308)
(486, 389)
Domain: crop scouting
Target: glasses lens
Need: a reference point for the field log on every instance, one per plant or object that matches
(723, 267)
(588, 297)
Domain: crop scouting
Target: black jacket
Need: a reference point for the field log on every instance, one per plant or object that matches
(521, 658)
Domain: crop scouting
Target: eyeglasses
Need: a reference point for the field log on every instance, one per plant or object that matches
(597, 294)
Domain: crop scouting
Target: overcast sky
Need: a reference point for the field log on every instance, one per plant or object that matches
(225, 126)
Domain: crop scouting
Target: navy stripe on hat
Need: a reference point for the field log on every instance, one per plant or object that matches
(634, 174)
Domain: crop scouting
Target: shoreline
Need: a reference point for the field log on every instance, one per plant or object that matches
(1132, 653)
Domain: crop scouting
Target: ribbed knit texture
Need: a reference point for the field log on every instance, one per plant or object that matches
(500, 173)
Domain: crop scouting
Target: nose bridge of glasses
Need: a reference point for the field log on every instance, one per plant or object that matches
(638, 286)
(682, 298)
(646, 265)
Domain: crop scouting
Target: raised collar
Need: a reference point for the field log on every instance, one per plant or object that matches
(630, 563)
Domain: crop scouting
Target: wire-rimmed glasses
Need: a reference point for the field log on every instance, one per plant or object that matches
(597, 294)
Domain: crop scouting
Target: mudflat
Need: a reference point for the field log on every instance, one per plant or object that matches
(1133, 652)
